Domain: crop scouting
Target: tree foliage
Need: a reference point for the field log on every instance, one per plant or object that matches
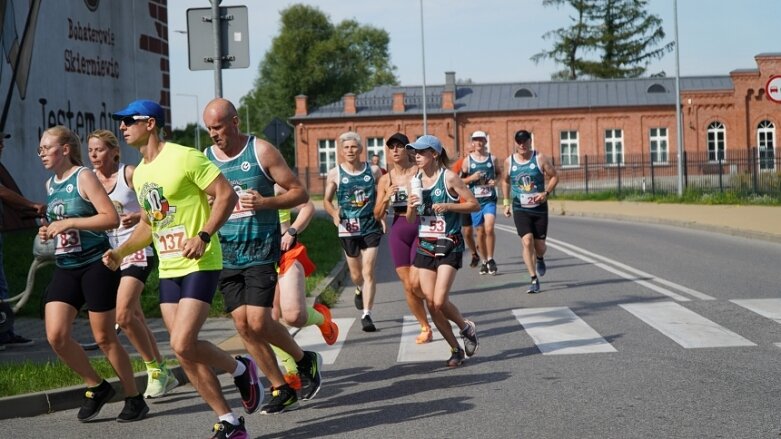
(620, 35)
(313, 57)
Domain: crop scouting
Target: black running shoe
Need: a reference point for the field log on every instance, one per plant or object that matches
(484, 268)
(135, 409)
(249, 386)
(469, 337)
(358, 299)
(368, 324)
(94, 400)
(226, 430)
(491, 265)
(534, 288)
(475, 260)
(541, 267)
(309, 371)
(456, 358)
(16, 340)
(283, 399)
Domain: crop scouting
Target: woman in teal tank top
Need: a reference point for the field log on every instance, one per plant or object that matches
(79, 212)
(441, 245)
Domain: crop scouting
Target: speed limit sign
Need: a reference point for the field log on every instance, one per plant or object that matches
(773, 89)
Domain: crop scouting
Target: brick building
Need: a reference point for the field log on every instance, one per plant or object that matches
(608, 119)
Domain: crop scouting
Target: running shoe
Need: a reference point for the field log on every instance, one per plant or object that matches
(368, 324)
(283, 399)
(484, 268)
(135, 409)
(534, 287)
(309, 371)
(249, 386)
(16, 340)
(541, 267)
(475, 260)
(226, 430)
(456, 357)
(469, 336)
(491, 265)
(94, 400)
(293, 380)
(329, 329)
(358, 299)
(159, 382)
(425, 335)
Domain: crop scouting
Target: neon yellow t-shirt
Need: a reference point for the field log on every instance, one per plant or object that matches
(170, 191)
(284, 215)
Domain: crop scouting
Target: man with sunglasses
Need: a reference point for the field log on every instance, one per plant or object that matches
(174, 184)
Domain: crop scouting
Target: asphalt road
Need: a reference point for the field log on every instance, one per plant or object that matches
(641, 331)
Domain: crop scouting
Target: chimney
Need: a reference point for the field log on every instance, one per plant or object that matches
(301, 109)
(398, 102)
(449, 93)
(349, 103)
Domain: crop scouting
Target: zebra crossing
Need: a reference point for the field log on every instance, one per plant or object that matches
(560, 331)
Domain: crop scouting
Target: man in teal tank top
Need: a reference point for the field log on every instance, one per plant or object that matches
(353, 184)
(527, 171)
(251, 249)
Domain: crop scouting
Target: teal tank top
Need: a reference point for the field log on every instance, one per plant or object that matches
(433, 226)
(356, 195)
(485, 194)
(526, 178)
(249, 237)
(73, 248)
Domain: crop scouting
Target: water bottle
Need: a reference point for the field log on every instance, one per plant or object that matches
(417, 190)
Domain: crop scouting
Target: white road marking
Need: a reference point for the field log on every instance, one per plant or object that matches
(310, 339)
(558, 331)
(684, 326)
(770, 308)
(435, 350)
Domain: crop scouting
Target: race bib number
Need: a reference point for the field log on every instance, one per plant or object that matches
(68, 241)
(527, 200)
(240, 211)
(138, 259)
(350, 227)
(483, 191)
(170, 242)
(432, 226)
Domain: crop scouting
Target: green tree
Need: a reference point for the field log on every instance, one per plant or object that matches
(186, 136)
(622, 35)
(313, 57)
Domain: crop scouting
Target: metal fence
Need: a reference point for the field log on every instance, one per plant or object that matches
(740, 171)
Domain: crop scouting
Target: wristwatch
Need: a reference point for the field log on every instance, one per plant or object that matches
(205, 237)
(292, 231)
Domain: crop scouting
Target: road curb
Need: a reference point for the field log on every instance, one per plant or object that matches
(67, 398)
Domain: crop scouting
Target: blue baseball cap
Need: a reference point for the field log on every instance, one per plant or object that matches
(142, 107)
(425, 142)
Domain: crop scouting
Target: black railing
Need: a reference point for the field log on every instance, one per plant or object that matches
(741, 171)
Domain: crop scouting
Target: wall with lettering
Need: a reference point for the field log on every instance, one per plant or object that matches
(73, 63)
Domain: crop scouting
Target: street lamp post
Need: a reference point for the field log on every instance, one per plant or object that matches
(197, 124)
(678, 121)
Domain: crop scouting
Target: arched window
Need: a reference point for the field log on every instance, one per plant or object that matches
(766, 143)
(656, 88)
(524, 93)
(717, 142)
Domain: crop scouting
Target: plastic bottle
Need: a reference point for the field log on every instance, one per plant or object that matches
(417, 189)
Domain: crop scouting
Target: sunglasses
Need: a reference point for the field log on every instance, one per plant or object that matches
(396, 146)
(130, 120)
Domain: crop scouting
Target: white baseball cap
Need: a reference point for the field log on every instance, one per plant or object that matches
(479, 134)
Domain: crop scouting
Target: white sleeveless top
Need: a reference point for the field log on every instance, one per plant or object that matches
(125, 201)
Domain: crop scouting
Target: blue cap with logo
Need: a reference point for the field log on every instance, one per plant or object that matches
(142, 107)
(426, 142)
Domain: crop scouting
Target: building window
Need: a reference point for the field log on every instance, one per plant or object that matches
(716, 141)
(614, 147)
(326, 149)
(568, 147)
(766, 143)
(376, 145)
(659, 145)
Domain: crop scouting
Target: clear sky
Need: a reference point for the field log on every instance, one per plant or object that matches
(487, 41)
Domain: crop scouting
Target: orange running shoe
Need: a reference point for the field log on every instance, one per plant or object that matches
(329, 329)
(425, 335)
